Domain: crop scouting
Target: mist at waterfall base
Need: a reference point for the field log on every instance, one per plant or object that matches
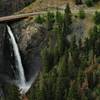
(20, 79)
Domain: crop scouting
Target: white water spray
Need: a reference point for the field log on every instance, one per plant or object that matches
(23, 86)
(17, 57)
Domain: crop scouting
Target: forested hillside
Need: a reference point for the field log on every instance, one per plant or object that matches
(71, 69)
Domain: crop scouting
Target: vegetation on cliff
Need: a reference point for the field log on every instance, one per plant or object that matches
(71, 69)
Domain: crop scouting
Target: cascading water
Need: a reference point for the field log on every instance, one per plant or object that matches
(22, 84)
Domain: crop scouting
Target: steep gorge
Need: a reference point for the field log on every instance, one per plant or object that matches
(8, 7)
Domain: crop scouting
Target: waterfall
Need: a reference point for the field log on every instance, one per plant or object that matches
(22, 84)
(18, 61)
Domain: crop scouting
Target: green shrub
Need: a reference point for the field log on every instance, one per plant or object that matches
(77, 2)
(81, 14)
(40, 19)
(89, 3)
(97, 18)
(98, 60)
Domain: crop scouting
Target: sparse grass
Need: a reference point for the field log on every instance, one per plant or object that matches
(41, 5)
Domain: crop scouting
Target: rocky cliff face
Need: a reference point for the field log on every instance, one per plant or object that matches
(29, 40)
(7, 7)
(2, 35)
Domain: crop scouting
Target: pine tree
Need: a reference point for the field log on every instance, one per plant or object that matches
(84, 98)
(59, 19)
(47, 59)
(86, 48)
(50, 20)
(53, 79)
(66, 94)
(72, 94)
(75, 52)
(67, 21)
(94, 37)
(60, 88)
(62, 80)
(39, 19)
(81, 14)
(63, 67)
(89, 3)
(41, 87)
(60, 42)
(78, 2)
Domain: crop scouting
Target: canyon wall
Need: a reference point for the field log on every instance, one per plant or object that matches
(7, 7)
